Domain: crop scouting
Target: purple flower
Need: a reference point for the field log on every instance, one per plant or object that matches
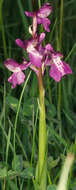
(31, 43)
(58, 68)
(34, 48)
(18, 76)
(42, 15)
(42, 57)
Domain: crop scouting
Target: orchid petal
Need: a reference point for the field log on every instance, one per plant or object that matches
(29, 14)
(59, 69)
(67, 68)
(16, 78)
(44, 11)
(20, 43)
(49, 48)
(12, 65)
(41, 37)
(35, 58)
(45, 22)
(55, 73)
(25, 65)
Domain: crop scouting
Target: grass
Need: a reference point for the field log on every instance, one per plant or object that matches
(19, 117)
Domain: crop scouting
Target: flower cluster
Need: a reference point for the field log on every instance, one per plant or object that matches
(39, 56)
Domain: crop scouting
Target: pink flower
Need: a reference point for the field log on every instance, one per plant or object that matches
(33, 47)
(58, 68)
(42, 57)
(42, 15)
(18, 76)
(39, 56)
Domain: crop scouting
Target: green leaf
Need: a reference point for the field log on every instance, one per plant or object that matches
(69, 118)
(51, 187)
(12, 185)
(34, 87)
(27, 173)
(3, 172)
(36, 185)
(51, 109)
(12, 102)
(18, 163)
(29, 106)
(52, 163)
(53, 133)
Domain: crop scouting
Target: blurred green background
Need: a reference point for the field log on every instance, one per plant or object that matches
(60, 107)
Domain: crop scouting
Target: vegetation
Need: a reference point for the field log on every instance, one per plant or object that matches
(19, 107)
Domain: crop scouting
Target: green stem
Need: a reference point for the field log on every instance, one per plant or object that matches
(61, 23)
(60, 47)
(16, 119)
(39, 3)
(34, 136)
(42, 162)
(49, 88)
(59, 109)
(2, 30)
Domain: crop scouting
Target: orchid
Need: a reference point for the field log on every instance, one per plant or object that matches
(58, 68)
(34, 48)
(18, 76)
(40, 56)
(41, 15)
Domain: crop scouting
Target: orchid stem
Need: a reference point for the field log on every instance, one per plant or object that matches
(42, 162)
